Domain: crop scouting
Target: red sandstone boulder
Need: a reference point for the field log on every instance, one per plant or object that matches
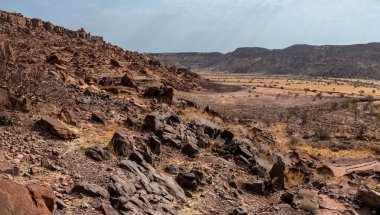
(58, 128)
(16, 199)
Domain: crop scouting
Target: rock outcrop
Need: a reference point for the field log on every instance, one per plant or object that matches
(21, 200)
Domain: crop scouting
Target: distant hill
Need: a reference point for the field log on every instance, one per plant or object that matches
(345, 61)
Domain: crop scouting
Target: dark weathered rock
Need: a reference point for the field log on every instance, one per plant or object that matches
(98, 118)
(154, 144)
(212, 112)
(121, 187)
(18, 199)
(128, 81)
(199, 174)
(58, 128)
(106, 208)
(152, 123)
(171, 170)
(241, 150)
(106, 81)
(5, 120)
(132, 123)
(258, 170)
(121, 144)
(148, 156)
(190, 149)
(137, 157)
(210, 131)
(171, 139)
(173, 119)
(277, 174)
(97, 154)
(162, 94)
(257, 187)
(238, 211)
(287, 198)
(241, 160)
(90, 189)
(53, 59)
(88, 93)
(115, 63)
(368, 197)
(187, 103)
(187, 180)
(204, 142)
(8, 168)
(227, 135)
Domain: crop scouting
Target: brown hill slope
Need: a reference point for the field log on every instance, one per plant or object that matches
(352, 61)
(32, 43)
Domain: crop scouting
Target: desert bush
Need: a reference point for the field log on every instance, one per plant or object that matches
(362, 130)
(294, 178)
(319, 95)
(334, 106)
(295, 140)
(370, 98)
(289, 130)
(322, 133)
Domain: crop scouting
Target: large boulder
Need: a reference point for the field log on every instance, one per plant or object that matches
(154, 144)
(277, 174)
(90, 189)
(162, 94)
(152, 124)
(368, 197)
(256, 187)
(58, 128)
(121, 144)
(190, 149)
(128, 81)
(21, 200)
(98, 118)
(187, 180)
(97, 154)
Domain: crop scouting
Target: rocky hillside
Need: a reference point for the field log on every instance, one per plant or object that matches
(353, 61)
(88, 128)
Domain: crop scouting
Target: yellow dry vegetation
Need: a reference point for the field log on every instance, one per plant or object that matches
(327, 153)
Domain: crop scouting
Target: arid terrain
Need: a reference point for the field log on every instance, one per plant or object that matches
(343, 61)
(89, 128)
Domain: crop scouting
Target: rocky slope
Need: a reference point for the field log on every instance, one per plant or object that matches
(88, 128)
(353, 61)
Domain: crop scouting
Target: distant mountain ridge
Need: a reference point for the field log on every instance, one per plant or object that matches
(341, 61)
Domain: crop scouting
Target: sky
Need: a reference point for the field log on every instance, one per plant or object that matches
(211, 25)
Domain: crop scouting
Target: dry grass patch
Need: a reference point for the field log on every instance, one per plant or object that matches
(327, 153)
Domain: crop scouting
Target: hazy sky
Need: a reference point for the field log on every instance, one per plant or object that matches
(211, 25)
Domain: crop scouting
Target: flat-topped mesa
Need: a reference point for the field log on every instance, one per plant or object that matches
(23, 22)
